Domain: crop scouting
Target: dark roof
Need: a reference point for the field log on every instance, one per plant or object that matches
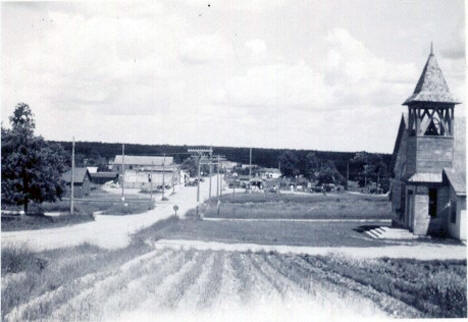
(457, 180)
(401, 130)
(431, 86)
(104, 174)
(79, 175)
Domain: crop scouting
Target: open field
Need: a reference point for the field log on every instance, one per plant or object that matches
(87, 283)
(300, 206)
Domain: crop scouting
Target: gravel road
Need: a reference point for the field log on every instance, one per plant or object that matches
(107, 231)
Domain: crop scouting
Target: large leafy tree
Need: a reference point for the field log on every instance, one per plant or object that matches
(329, 174)
(31, 168)
(311, 165)
(289, 164)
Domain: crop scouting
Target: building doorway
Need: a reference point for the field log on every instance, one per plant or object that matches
(433, 202)
(410, 209)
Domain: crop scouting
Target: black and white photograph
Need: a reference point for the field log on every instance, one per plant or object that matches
(241, 160)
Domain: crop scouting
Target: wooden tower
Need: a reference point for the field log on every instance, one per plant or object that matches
(430, 121)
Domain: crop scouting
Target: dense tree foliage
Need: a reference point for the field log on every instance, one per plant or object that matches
(308, 162)
(31, 167)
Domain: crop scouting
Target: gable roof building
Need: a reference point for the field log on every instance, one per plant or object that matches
(79, 176)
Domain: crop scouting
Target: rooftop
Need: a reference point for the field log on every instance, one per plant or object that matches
(79, 175)
(432, 86)
(143, 160)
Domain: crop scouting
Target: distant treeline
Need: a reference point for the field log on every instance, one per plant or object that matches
(99, 153)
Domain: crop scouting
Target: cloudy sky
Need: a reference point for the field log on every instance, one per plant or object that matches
(328, 75)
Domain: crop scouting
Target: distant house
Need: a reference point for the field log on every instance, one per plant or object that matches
(429, 160)
(92, 169)
(81, 181)
(228, 165)
(270, 173)
(144, 171)
(103, 177)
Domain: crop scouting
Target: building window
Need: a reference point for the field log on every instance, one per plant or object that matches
(453, 211)
(432, 202)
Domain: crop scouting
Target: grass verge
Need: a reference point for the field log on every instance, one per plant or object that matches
(285, 205)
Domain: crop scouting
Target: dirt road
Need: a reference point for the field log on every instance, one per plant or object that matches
(107, 231)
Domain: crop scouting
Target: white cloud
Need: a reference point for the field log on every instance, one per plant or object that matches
(257, 48)
(357, 76)
(201, 49)
(281, 85)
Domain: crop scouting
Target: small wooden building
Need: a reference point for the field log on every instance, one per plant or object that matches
(82, 182)
(140, 172)
(103, 177)
(428, 186)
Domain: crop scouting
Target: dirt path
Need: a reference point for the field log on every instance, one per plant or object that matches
(421, 251)
(106, 231)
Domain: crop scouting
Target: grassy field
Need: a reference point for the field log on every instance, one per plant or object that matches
(320, 234)
(41, 221)
(87, 283)
(311, 206)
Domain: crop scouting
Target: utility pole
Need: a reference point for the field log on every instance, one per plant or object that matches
(72, 181)
(221, 183)
(122, 169)
(173, 181)
(164, 169)
(198, 153)
(151, 181)
(347, 175)
(217, 177)
(250, 169)
(198, 181)
(211, 169)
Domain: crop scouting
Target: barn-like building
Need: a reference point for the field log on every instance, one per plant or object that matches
(81, 182)
(142, 171)
(429, 164)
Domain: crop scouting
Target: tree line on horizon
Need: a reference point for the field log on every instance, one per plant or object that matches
(364, 167)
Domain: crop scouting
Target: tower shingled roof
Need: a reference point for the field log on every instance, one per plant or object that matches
(431, 86)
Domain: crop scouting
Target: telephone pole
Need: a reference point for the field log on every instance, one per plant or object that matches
(72, 181)
(151, 181)
(122, 169)
(211, 170)
(198, 153)
(164, 169)
(217, 177)
(250, 168)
